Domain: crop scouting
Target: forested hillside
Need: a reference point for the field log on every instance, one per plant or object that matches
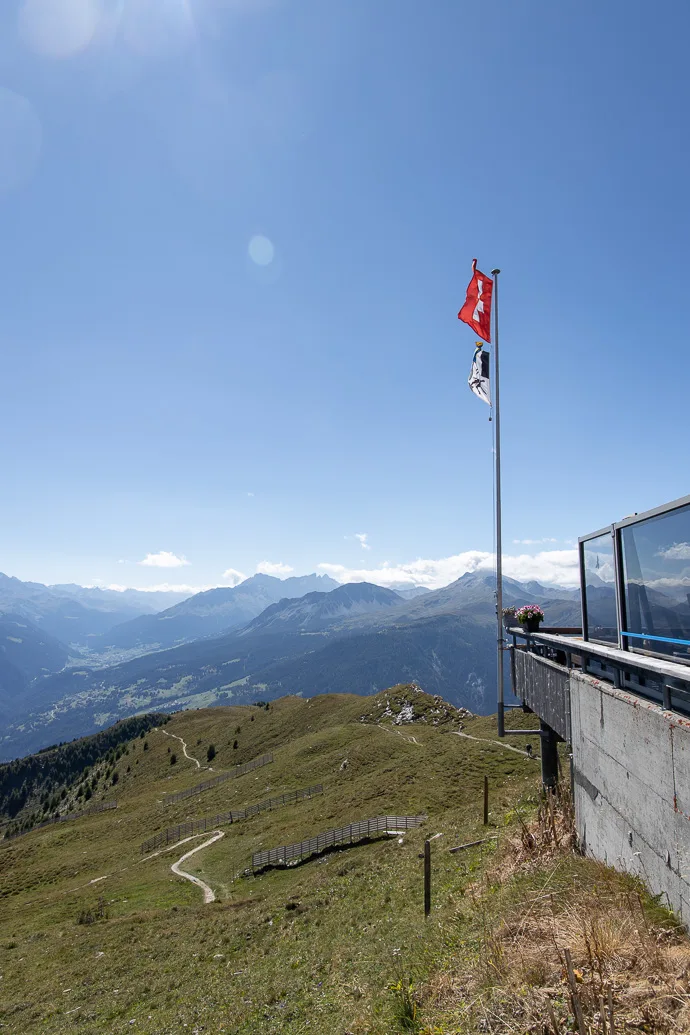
(42, 781)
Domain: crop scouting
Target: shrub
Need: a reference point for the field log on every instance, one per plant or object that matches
(90, 916)
(146, 745)
(116, 777)
(173, 759)
(211, 753)
(235, 745)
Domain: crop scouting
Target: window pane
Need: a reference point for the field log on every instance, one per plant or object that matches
(656, 567)
(600, 589)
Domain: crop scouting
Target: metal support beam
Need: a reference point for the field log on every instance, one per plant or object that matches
(549, 757)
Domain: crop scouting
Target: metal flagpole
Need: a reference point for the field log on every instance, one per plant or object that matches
(499, 544)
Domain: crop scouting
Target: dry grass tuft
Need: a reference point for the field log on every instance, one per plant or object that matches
(547, 836)
(563, 944)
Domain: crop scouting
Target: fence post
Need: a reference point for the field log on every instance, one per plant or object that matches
(427, 877)
(486, 801)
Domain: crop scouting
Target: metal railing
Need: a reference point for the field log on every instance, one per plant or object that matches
(199, 826)
(665, 682)
(341, 835)
(215, 781)
(544, 686)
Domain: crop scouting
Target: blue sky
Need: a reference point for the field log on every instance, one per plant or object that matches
(165, 393)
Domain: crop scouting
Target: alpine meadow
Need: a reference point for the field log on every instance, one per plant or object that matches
(345, 524)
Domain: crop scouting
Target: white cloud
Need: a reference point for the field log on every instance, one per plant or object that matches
(234, 576)
(559, 567)
(677, 552)
(534, 542)
(668, 583)
(250, 494)
(363, 536)
(273, 568)
(164, 559)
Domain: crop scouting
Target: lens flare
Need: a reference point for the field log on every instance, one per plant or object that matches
(59, 28)
(261, 250)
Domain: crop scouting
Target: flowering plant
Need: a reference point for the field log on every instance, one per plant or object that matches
(509, 612)
(529, 613)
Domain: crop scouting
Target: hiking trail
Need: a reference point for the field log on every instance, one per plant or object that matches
(497, 743)
(191, 758)
(209, 894)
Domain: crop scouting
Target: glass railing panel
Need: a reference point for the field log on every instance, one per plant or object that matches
(600, 589)
(656, 584)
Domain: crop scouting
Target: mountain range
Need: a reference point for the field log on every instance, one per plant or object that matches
(77, 615)
(357, 638)
(210, 613)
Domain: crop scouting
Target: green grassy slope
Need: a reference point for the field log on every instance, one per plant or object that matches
(157, 922)
(312, 948)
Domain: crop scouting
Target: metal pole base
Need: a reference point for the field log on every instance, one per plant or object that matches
(549, 757)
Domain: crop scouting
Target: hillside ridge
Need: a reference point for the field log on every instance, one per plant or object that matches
(116, 939)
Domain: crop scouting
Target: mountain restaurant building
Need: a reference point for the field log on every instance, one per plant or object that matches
(617, 690)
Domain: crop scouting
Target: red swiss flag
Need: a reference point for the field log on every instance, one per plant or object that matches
(477, 308)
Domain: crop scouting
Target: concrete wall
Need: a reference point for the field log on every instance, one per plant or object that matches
(631, 767)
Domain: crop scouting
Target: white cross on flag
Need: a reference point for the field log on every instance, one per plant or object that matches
(476, 312)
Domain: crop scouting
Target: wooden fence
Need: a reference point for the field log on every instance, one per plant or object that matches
(239, 770)
(199, 826)
(341, 835)
(102, 807)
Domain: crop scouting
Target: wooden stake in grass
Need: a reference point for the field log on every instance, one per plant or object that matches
(427, 877)
(612, 1029)
(486, 801)
(574, 994)
(471, 844)
(552, 1017)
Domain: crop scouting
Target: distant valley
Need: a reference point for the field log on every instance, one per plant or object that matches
(355, 638)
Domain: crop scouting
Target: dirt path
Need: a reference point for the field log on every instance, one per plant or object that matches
(410, 738)
(191, 758)
(209, 894)
(154, 855)
(498, 743)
